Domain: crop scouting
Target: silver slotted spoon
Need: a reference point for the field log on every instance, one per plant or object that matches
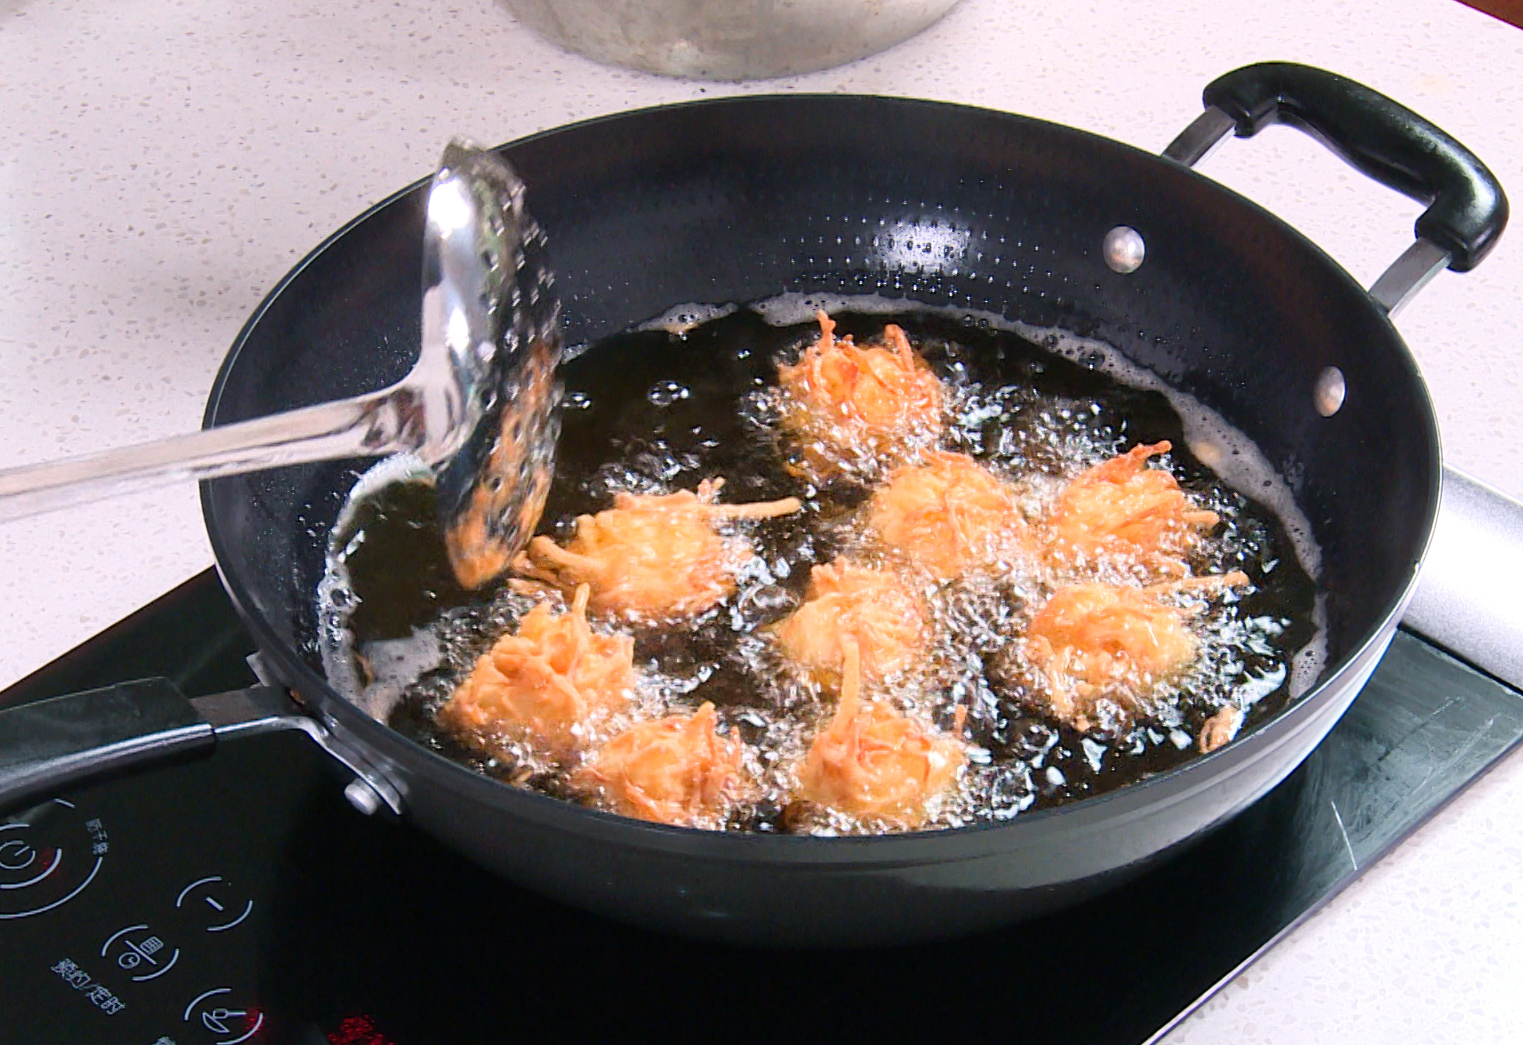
(476, 407)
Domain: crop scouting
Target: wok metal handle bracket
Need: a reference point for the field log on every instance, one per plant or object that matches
(269, 709)
(1467, 208)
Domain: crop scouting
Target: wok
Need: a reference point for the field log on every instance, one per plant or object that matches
(741, 199)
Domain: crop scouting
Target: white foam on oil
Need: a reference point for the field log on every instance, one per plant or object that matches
(1306, 666)
(683, 318)
(787, 309)
(395, 664)
(399, 468)
(678, 321)
(336, 598)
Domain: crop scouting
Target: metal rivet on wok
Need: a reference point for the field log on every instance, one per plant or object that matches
(362, 796)
(1330, 391)
(1124, 249)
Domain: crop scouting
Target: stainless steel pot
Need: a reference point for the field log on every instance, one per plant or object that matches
(728, 39)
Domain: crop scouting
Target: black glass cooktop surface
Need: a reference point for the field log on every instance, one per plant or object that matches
(241, 898)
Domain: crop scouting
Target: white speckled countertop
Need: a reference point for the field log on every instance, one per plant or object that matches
(164, 162)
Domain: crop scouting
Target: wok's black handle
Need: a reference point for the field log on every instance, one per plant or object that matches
(49, 745)
(1380, 137)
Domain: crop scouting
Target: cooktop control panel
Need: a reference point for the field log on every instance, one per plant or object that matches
(138, 911)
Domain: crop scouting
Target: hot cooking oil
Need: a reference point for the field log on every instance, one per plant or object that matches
(662, 408)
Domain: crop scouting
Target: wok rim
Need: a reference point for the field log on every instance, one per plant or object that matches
(1083, 815)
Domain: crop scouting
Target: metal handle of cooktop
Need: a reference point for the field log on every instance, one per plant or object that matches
(1467, 593)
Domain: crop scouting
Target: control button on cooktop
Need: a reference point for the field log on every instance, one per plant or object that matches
(48, 854)
(16, 855)
(214, 903)
(221, 1019)
(138, 950)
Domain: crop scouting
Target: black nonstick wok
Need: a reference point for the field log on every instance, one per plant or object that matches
(741, 199)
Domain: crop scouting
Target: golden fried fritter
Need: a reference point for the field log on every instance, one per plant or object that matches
(652, 557)
(873, 762)
(543, 682)
(856, 410)
(846, 602)
(1099, 643)
(948, 514)
(1121, 508)
(673, 770)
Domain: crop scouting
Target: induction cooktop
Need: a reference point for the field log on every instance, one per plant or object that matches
(241, 898)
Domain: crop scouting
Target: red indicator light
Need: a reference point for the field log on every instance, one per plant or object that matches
(358, 1030)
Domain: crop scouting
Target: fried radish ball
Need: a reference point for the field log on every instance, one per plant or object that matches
(1121, 507)
(947, 514)
(673, 770)
(650, 556)
(873, 762)
(875, 609)
(1106, 644)
(856, 409)
(543, 682)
